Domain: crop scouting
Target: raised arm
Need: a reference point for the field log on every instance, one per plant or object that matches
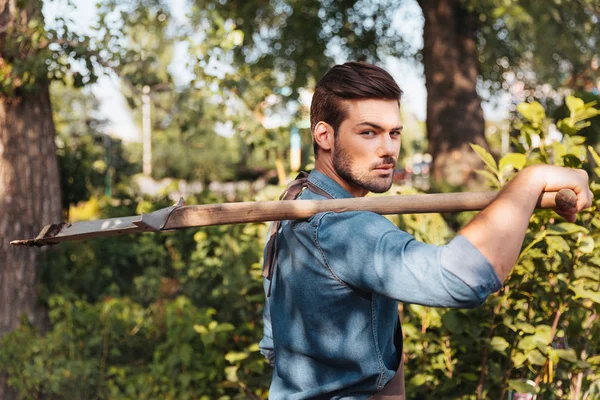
(499, 230)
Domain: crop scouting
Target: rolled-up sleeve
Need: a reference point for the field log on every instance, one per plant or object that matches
(369, 252)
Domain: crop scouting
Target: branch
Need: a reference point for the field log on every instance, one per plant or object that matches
(105, 64)
(484, 357)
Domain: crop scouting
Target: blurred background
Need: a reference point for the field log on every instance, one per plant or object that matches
(113, 108)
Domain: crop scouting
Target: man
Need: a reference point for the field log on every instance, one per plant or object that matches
(331, 321)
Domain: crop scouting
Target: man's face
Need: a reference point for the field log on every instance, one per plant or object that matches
(367, 144)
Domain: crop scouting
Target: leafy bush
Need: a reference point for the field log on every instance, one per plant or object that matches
(174, 316)
(539, 333)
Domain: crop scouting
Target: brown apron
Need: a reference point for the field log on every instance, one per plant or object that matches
(394, 389)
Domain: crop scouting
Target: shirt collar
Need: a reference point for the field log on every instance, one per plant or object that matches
(328, 185)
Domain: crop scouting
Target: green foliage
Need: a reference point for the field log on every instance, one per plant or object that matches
(116, 348)
(551, 42)
(174, 316)
(591, 132)
(538, 334)
(35, 51)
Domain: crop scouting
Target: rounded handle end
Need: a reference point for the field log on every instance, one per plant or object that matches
(566, 199)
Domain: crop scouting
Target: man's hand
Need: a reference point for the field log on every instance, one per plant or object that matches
(557, 178)
(498, 231)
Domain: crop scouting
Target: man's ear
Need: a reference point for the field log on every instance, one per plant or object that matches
(323, 135)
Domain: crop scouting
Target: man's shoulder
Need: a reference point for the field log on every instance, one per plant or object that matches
(352, 219)
(355, 222)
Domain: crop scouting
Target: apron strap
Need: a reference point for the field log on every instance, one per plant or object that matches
(292, 191)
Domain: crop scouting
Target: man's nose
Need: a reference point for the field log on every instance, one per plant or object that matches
(388, 147)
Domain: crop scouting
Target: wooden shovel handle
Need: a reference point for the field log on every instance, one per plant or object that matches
(234, 213)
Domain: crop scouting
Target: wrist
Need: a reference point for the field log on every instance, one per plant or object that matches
(534, 177)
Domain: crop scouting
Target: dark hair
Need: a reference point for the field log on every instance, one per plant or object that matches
(350, 81)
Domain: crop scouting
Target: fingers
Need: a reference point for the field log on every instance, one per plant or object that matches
(584, 194)
(580, 185)
(570, 217)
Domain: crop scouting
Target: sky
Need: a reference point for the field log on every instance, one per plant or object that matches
(407, 73)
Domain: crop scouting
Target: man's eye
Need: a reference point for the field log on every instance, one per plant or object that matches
(395, 133)
(368, 133)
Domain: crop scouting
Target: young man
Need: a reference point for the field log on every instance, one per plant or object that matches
(331, 321)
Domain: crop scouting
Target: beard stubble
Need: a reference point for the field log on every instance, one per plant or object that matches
(342, 163)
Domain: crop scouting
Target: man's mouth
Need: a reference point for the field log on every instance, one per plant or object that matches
(385, 167)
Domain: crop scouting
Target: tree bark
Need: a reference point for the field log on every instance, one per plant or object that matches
(29, 184)
(29, 199)
(454, 113)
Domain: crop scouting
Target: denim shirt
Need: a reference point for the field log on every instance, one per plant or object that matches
(331, 320)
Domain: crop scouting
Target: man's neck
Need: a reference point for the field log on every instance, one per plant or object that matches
(326, 168)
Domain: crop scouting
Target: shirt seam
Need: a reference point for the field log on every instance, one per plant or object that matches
(375, 342)
(316, 241)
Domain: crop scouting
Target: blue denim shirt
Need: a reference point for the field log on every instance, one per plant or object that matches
(331, 320)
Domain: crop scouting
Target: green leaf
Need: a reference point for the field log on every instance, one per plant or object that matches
(452, 322)
(208, 338)
(493, 179)
(525, 327)
(535, 357)
(566, 127)
(231, 373)
(201, 329)
(224, 327)
(552, 355)
(485, 157)
(595, 360)
(253, 347)
(594, 155)
(580, 111)
(588, 272)
(577, 140)
(565, 228)
(544, 333)
(518, 359)
(513, 160)
(574, 104)
(531, 342)
(559, 150)
(582, 293)
(499, 344)
(469, 376)
(556, 244)
(596, 159)
(585, 114)
(567, 354)
(520, 386)
(233, 357)
(586, 245)
(527, 136)
(571, 161)
(420, 379)
(534, 112)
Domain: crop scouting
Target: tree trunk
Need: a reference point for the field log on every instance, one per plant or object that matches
(29, 185)
(29, 199)
(454, 113)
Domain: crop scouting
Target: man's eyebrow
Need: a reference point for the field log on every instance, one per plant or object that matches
(375, 126)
